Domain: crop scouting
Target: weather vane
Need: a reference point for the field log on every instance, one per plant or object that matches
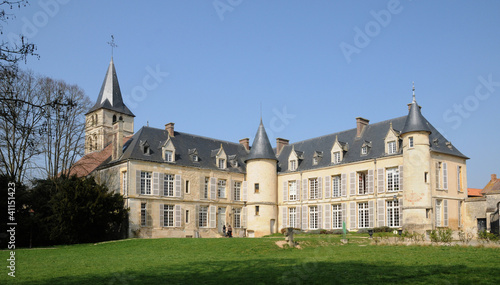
(112, 44)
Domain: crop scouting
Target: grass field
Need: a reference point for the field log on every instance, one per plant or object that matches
(322, 260)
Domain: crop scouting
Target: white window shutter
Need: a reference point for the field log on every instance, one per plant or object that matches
(370, 181)
(297, 184)
(352, 216)
(344, 212)
(138, 182)
(231, 190)
(328, 216)
(343, 184)
(445, 176)
(213, 192)
(213, 212)
(320, 216)
(162, 216)
(380, 180)
(285, 190)
(320, 187)
(244, 195)
(380, 212)
(149, 219)
(400, 212)
(445, 212)
(401, 178)
(352, 184)
(437, 176)
(371, 213)
(298, 217)
(304, 189)
(156, 183)
(304, 218)
(284, 217)
(202, 188)
(178, 216)
(328, 180)
(197, 214)
(244, 217)
(178, 186)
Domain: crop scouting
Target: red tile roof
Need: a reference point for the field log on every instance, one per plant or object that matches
(474, 192)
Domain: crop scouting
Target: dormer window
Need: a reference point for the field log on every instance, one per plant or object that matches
(222, 163)
(391, 147)
(315, 160)
(193, 153)
(391, 141)
(364, 150)
(146, 150)
(293, 159)
(336, 157)
(195, 158)
(292, 165)
(317, 157)
(220, 157)
(169, 156)
(168, 151)
(338, 150)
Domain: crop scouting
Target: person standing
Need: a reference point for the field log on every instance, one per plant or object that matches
(224, 230)
(229, 231)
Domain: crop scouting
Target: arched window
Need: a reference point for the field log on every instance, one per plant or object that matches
(95, 141)
(90, 143)
(114, 118)
(121, 118)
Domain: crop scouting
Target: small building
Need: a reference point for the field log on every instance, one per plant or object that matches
(483, 211)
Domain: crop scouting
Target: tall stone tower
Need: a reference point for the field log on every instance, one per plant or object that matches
(262, 181)
(417, 196)
(108, 110)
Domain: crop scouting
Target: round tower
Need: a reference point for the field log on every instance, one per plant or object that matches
(262, 181)
(417, 196)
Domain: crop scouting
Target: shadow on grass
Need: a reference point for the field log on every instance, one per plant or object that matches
(288, 271)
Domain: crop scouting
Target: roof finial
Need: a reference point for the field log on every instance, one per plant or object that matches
(414, 100)
(112, 44)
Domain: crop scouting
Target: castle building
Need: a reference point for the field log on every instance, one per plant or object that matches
(399, 173)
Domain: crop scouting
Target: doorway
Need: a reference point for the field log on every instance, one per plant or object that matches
(221, 218)
(481, 225)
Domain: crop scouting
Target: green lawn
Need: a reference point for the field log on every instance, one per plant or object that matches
(322, 260)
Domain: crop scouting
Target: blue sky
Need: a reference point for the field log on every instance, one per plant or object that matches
(314, 66)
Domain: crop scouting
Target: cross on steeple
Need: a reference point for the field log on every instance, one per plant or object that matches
(112, 44)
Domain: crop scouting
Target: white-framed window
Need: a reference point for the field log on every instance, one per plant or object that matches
(313, 217)
(168, 215)
(441, 175)
(124, 182)
(145, 182)
(438, 213)
(169, 156)
(391, 147)
(362, 183)
(205, 188)
(221, 188)
(237, 217)
(292, 215)
(292, 190)
(315, 160)
(393, 213)
(337, 216)
(336, 186)
(364, 150)
(293, 165)
(203, 217)
(143, 214)
(222, 163)
(392, 179)
(410, 142)
(336, 157)
(237, 191)
(313, 188)
(195, 158)
(363, 215)
(168, 185)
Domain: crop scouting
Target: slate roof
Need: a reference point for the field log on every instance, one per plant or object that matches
(110, 96)
(184, 144)
(415, 121)
(261, 147)
(374, 133)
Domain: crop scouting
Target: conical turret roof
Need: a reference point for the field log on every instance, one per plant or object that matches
(415, 122)
(110, 96)
(261, 147)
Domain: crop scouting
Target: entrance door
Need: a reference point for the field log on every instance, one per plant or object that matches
(221, 218)
(481, 225)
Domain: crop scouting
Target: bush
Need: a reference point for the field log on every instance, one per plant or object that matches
(485, 236)
(441, 235)
(384, 229)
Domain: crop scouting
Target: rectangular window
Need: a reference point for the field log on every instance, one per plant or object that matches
(438, 213)
(221, 189)
(145, 182)
(292, 213)
(222, 163)
(237, 217)
(362, 183)
(315, 160)
(257, 210)
(337, 216)
(124, 182)
(203, 217)
(391, 147)
(293, 165)
(143, 214)
(336, 157)
(410, 142)
(168, 215)
(392, 179)
(187, 216)
(168, 185)
(169, 156)
(336, 186)
(438, 175)
(313, 188)
(195, 158)
(237, 191)
(363, 215)
(205, 188)
(292, 190)
(256, 188)
(187, 186)
(393, 213)
(364, 150)
(313, 217)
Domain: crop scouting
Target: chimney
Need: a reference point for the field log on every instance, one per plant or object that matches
(361, 123)
(280, 144)
(170, 129)
(493, 177)
(246, 143)
(117, 140)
